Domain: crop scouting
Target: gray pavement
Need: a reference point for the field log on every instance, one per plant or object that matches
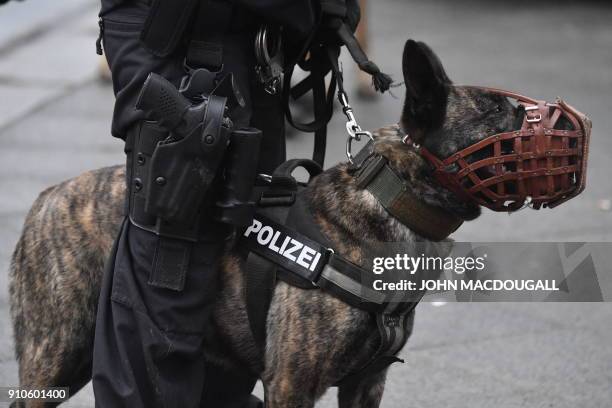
(54, 124)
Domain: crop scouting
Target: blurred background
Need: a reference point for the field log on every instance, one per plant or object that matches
(55, 112)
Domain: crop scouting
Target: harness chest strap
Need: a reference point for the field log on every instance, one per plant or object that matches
(312, 262)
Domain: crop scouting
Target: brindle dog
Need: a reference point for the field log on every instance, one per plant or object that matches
(313, 339)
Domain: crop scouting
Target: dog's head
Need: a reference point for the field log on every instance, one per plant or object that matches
(445, 119)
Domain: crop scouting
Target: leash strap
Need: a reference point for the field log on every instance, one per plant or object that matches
(323, 59)
(323, 100)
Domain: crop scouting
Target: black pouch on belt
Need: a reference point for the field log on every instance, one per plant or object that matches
(235, 206)
(183, 166)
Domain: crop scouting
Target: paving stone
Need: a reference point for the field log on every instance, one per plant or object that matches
(18, 20)
(18, 100)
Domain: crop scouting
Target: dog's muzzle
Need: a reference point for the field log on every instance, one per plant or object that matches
(538, 165)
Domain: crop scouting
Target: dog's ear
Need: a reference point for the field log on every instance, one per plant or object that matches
(427, 88)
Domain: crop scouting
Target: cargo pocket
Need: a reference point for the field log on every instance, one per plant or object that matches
(118, 39)
(123, 289)
(186, 312)
(130, 63)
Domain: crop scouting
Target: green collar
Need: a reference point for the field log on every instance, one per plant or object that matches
(395, 196)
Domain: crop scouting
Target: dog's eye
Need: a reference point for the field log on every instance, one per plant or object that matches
(498, 109)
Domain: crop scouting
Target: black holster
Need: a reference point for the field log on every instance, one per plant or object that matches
(140, 145)
(183, 181)
(183, 166)
(183, 170)
(175, 239)
(173, 166)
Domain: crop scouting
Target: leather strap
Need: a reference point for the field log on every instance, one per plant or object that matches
(323, 99)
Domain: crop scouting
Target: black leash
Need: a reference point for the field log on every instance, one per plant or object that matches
(323, 99)
(323, 59)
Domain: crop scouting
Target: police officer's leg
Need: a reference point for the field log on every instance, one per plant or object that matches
(228, 389)
(148, 345)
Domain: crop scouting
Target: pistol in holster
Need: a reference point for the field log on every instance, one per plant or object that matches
(192, 175)
(197, 161)
(184, 165)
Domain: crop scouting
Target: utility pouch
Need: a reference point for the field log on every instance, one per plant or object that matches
(240, 169)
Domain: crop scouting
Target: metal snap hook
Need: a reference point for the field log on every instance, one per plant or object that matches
(352, 127)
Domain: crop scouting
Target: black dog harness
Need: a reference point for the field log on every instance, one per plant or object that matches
(284, 242)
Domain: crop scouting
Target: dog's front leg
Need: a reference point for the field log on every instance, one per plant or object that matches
(363, 393)
(276, 396)
(297, 361)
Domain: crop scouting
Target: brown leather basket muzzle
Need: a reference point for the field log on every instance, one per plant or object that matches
(536, 165)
